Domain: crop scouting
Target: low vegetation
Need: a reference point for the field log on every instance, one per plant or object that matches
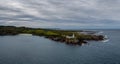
(56, 35)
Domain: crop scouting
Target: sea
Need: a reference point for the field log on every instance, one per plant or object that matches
(29, 49)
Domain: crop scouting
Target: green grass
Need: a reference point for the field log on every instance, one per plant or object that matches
(12, 30)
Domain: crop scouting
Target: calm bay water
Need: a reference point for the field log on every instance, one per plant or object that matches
(27, 49)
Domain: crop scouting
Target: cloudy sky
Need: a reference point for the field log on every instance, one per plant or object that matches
(78, 14)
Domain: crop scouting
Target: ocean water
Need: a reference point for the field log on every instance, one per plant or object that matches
(28, 49)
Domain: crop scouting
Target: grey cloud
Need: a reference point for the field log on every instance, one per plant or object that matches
(57, 13)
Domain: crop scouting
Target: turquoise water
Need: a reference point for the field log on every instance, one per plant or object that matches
(27, 49)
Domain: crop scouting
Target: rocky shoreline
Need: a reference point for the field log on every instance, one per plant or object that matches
(75, 41)
(66, 36)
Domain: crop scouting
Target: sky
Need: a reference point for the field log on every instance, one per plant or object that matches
(65, 14)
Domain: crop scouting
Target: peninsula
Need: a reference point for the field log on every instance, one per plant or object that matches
(76, 37)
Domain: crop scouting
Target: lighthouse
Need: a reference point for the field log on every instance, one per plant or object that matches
(73, 36)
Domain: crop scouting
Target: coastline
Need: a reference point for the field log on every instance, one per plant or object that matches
(66, 36)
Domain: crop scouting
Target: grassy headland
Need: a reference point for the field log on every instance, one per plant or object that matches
(67, 36)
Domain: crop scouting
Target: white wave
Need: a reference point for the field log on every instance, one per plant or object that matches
(105, 37)
(100, 32)
(105, 40)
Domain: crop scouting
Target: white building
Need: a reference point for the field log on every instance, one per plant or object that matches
(73, 36)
